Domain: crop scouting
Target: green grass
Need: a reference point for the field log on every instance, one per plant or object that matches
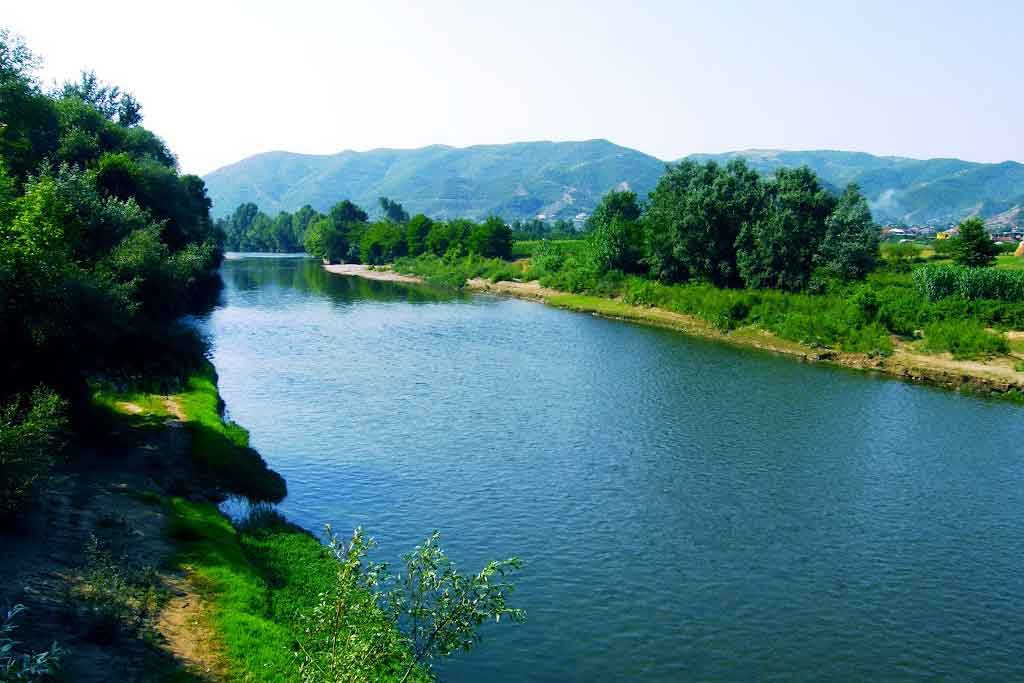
(224, 446)
(1009, 262)
(260, 579)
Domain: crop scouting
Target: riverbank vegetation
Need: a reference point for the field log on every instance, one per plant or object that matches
(103, 245)
(781, 254)
(114, 450)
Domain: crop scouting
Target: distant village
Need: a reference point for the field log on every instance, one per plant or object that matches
(910, 233)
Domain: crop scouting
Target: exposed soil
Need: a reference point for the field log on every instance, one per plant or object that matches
(105, 490)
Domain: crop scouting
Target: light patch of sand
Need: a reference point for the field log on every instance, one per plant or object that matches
(363, 271)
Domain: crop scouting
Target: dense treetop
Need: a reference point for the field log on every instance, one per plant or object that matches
(103, 243)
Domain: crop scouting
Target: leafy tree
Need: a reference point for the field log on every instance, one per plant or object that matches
(616, 204)
(382, 242)
(694, 216)
(108, 100)
(974, 246)
(616, 237)
(416, 234)
(490, 239)
(393, 211)
(102, 243)
(849, 249)
(776, 249)
(449, 236)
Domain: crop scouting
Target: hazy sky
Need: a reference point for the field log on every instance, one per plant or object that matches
(223, 80)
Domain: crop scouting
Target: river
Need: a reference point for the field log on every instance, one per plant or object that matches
(685, 510)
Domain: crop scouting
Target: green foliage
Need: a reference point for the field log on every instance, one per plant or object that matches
(416, 234)
(490, 239)
(223, 447)
(430, 610)
(849, 249)
(453, 271)
(964, 339)
(973, 246)
(102, 243)
(382, 242)
(17, 665)
(258, 578)
(347, 636)
(393, 211)
(778, 246)
(615, 239)
(938, 281)
(693, 219)
(31, 438)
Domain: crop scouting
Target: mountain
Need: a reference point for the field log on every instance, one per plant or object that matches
(561, 179)
(519, 180)
(912, 191)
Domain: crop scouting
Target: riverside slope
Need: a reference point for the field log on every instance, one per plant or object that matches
(997, 376)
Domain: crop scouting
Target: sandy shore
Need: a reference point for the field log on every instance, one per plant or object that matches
(998, 375)
(360, 270)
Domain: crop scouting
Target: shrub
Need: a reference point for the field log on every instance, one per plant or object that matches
(24, 666)
(30, 439)
(964, 339)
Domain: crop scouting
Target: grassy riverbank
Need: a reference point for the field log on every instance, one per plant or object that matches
(158, 580)
(882, 324)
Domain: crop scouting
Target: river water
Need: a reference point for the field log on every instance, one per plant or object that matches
(685, 510)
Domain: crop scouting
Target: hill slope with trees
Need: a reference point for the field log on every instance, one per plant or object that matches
(561, 179)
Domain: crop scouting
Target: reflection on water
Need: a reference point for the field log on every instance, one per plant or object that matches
(686, 511)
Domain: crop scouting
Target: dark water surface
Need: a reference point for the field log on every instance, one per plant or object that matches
(687, 511)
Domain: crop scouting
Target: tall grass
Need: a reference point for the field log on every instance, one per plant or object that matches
(939, 281)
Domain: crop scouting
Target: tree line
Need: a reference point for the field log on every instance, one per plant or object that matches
(731, 227)
(103, 245)
(346, 233)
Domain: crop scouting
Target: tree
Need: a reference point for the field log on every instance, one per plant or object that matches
(382, 242)
(416, 234)
(776, 249)
(490, 239)
(393, 211)
(109, 100)
(974, 247)
(616, 238)
(694, 216)
(616, 204)
(849, 249)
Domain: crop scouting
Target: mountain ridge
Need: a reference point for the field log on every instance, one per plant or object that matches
(563, 179)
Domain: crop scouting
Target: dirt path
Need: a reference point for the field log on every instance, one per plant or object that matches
(104, 497)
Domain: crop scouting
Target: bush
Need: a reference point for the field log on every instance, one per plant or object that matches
(31, 436)
(24, 666)
(964, 339)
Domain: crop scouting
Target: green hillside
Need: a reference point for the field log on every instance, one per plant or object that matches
(514, 181)
(561, 179)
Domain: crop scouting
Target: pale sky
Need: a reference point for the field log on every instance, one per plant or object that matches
(220, 81)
